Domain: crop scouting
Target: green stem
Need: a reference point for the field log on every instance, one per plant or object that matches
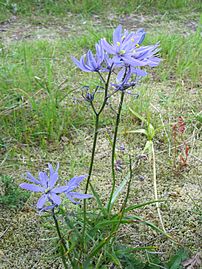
(155, 189)
(93, 153)
(63, 247)
(97, 115)
(121, 213)
(114, 150)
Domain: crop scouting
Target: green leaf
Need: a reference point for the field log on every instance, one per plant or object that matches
(132, 207)
(113, 221)
(148, 147)
(118, 191)
(176, 260)
(113, 257)
(97, 248)
(137, 115)
(140, 131)
(130, 220)
(151, 131)
(95, 194)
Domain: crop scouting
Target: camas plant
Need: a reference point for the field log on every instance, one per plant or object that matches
(93, 240)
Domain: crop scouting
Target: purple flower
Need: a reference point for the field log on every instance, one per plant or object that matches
(89, 63)
(127, 51)
(124, 45)
(124, 78)
(45, 185)
(147, 55)
(73, 184)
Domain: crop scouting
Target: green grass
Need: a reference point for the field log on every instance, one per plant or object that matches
(43, 118)
(36, 109)
(11, 195)
(61, 7)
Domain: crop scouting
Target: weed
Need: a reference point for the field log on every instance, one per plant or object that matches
(11, 195)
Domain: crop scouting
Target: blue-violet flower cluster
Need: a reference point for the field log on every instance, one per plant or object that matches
(125, 54)
(50, 191)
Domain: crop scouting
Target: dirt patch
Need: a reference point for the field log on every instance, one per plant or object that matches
(51, 28)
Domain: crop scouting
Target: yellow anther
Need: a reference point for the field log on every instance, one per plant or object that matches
(122, 52)
(123, 37)
(47, 190)
(132, 39)
(118, 43)
(137, 45)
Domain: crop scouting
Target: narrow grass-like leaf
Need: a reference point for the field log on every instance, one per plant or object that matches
(95, 194)
(132, 207)
(137, 115)
(118, 191)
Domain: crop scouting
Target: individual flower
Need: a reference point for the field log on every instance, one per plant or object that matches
(44, 185)
(126, 49)
(73, 184)
(124, 45)
(124, 80)
(147, 54)
(89, 62)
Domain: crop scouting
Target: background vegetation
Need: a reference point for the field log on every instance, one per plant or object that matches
(43, 117)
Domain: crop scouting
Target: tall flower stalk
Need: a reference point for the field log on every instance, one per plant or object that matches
(125, 58)
(63, 247)
(96, 129)
(113, 156)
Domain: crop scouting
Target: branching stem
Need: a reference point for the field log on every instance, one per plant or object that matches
(96, 129)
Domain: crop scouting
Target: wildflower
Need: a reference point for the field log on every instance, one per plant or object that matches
(46, 186)
(147, 55)
(73, 184)
(89, 63)
(124, 45)
(124, 76)
(126, 49)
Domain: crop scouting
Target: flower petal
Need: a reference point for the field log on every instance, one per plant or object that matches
(91, 60)
(60, 189)
(84, 66)
(120, 75)
(42, 201)
(31, 187)
(106, 46)
(31, 178)
(43, 179)
(55, 198)
(75, 181)
(53, 180)
(47, 208)
(132, 61)
(71, 199)
(76, 62)
(50, 167)
(79, 195)
(117, 35)
(139, 72)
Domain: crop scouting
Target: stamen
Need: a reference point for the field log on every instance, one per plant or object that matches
(118, 43)
(47, 190)
(122, 52)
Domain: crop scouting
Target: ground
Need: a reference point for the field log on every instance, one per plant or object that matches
(24, 234)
